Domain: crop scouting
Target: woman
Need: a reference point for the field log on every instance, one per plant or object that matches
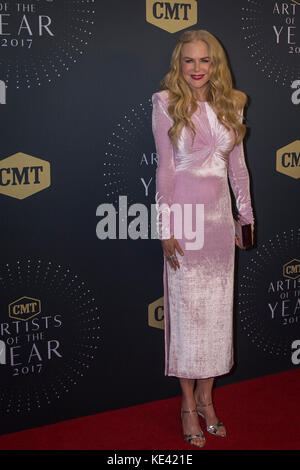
(198, 131)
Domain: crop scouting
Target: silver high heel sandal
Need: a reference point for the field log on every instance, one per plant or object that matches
(213, 428)
(189, 437)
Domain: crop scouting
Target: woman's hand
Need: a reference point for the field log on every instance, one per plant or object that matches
(237, 242)
(169, 246)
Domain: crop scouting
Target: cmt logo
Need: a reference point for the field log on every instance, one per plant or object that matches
(156, 313)
(292, 269)
(24, 308)
(22, 175)
(171, 15)
(288, 159)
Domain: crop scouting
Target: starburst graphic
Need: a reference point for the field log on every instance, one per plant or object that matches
(48, 354)
(267, 299)
(124, 166)
(41, 45)
(269, 40)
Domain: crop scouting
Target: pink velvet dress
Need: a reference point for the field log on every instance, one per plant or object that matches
(198, 297)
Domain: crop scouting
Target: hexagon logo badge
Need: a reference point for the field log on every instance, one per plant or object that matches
(171, 15)
(24, 308)
(22, 175)
(156, 313)
(292, 269)
(288, 159)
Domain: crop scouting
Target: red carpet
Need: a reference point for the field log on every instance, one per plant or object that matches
(259, 414)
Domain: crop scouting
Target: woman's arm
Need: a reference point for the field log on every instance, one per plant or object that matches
(239, 181)
(161, 123)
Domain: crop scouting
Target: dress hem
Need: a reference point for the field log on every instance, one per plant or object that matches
(170, 374)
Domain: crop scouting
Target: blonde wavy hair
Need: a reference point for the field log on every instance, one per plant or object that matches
(227, 102)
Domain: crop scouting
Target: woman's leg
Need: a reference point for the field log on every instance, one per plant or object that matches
(203, 391)
(190, 421)
(203, 395)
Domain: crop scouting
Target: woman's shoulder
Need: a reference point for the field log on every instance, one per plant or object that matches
(162, 95)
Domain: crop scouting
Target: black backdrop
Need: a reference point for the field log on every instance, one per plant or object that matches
(76, 311)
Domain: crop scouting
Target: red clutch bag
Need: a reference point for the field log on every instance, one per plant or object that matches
(244, 232)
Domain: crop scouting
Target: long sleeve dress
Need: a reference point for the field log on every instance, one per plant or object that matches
(198, 297)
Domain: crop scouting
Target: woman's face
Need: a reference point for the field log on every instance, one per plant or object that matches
(195, 67)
